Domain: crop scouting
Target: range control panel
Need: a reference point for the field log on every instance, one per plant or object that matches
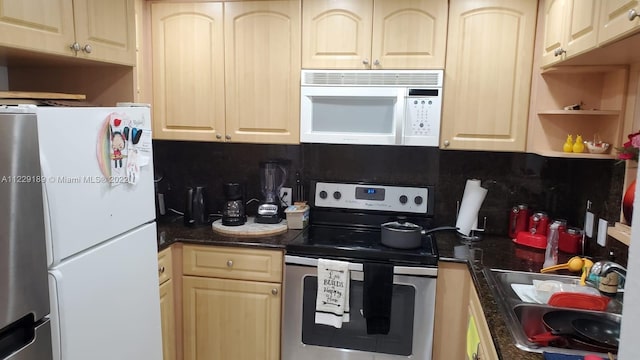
(372, 197)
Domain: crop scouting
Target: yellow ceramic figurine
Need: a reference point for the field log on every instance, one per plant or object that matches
(578, 146)
(568, 145)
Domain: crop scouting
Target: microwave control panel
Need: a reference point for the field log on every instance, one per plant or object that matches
(422, 120)
(423, 116)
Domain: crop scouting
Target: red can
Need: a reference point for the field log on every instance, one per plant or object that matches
(518, 220)
(570, 241)
(539, 223)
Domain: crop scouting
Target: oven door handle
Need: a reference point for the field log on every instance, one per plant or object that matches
(397, 270)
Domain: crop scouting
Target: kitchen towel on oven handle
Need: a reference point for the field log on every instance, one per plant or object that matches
(332, 299)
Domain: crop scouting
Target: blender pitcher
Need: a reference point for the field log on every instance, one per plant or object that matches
(272, 177)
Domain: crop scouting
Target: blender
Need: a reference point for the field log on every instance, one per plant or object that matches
(272, 177)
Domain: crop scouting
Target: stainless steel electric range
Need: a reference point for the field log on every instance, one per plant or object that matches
(345, 224)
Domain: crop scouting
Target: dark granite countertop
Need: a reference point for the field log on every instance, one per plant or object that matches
(496, 252)
(172, 229)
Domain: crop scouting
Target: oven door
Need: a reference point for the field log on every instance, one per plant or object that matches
(412, 317)
(352, 114)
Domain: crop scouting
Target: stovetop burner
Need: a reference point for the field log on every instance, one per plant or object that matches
(346, 218)
(353, 244)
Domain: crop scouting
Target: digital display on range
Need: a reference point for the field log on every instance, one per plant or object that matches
(369, 193)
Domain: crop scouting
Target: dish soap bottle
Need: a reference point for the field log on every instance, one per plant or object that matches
(568, 145)
(551, 254)
(578, 146)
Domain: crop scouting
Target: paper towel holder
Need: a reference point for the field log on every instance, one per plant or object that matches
(475, 234)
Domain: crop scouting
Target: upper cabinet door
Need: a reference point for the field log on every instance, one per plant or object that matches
(570, 28)
(188, 71)
(409, 34)
(555, 14)
(336, 34)
(105, 30)
(582, 26)
(488, 77)
(262, 71)
(615, 19)
(37, 25)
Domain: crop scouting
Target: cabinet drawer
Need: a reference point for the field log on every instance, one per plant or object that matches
(233, 263)
(164, 265)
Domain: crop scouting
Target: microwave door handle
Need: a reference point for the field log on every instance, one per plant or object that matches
(399, 116)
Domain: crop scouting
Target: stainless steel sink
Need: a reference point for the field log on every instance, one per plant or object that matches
(525, 319)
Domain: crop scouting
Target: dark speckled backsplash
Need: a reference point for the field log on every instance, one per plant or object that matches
(559, 186)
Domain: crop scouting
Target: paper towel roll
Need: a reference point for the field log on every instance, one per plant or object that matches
(472, 199)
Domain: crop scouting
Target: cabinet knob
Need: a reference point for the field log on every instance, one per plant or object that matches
(376, 62)
(446, 143)
(75, 47)
(559, 52)
(87, 48)
(365, 62)
(218, 136)
(229, 263)
(274, 291)
(228, 137)
(632, 14)
(161, 270)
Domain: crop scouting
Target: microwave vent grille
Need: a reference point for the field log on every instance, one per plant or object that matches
(372, 78)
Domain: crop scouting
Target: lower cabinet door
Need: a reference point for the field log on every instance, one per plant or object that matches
(168, 321)
(231, 319)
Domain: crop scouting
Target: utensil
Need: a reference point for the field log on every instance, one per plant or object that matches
(599, 330)
(574, 265)
(558, 324)
(405, 235)
(583, 344)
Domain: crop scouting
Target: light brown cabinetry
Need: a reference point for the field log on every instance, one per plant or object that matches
(487, 82)
(167, 304)
(226, 71)
(601, 92)
(188, 71)
(570, 28)
(373, 34)
(618, 18)
(456, 302)
(485, 349)
(101, 30)
(262, 71)
(232, 302)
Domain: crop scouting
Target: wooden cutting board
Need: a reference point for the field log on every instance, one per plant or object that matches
(40, 95)
(250, 228)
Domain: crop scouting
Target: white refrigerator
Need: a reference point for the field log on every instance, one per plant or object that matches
(101, 232)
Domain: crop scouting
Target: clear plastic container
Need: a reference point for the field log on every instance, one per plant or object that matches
(551, 254)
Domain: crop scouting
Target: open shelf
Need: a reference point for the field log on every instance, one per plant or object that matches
(580, 112)
(587, 69)
(594, 87)
(583, 155)
(620, 232)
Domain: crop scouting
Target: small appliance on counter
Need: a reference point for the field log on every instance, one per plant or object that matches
(272, 177)
(233, 211)
(195, 206)
(536, 235)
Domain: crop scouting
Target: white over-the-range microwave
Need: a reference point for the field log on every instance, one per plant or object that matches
(376, 107)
